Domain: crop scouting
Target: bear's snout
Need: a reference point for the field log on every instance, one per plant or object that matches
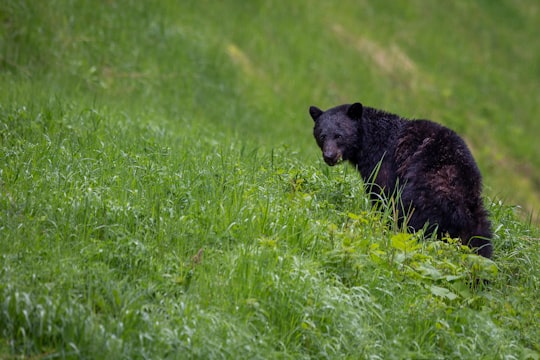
(331, 157)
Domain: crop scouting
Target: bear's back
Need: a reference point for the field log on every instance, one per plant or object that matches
(429, 153)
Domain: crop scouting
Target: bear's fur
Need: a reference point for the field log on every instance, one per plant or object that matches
(428, 164)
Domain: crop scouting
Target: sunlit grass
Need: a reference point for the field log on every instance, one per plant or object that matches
(140, 244)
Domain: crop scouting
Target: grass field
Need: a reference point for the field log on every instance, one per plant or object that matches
(161, 195)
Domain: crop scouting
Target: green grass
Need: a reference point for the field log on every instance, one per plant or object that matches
(133, 136)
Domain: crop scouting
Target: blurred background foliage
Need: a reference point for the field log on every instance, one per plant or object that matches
(251, 69)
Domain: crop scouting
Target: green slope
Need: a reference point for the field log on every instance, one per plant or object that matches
(134, 134)
(255, 67)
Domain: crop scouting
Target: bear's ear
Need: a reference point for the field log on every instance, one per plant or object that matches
(355, 111)
(315, 112)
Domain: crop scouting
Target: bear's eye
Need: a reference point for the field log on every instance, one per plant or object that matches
(337, 137)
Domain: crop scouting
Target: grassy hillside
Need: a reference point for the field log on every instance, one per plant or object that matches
(254, 68)
(161, 195)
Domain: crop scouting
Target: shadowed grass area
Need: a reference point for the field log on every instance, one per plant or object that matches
(161, 195)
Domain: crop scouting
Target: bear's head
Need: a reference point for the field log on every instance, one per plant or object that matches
(337, 131)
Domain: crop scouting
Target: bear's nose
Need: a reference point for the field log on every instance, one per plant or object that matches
(331, 157)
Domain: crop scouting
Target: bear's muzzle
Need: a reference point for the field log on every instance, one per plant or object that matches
(332, 157)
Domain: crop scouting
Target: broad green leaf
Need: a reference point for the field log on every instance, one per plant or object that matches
(404, 242)
(443, 292)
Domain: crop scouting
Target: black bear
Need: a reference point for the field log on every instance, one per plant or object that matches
(428, 164)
